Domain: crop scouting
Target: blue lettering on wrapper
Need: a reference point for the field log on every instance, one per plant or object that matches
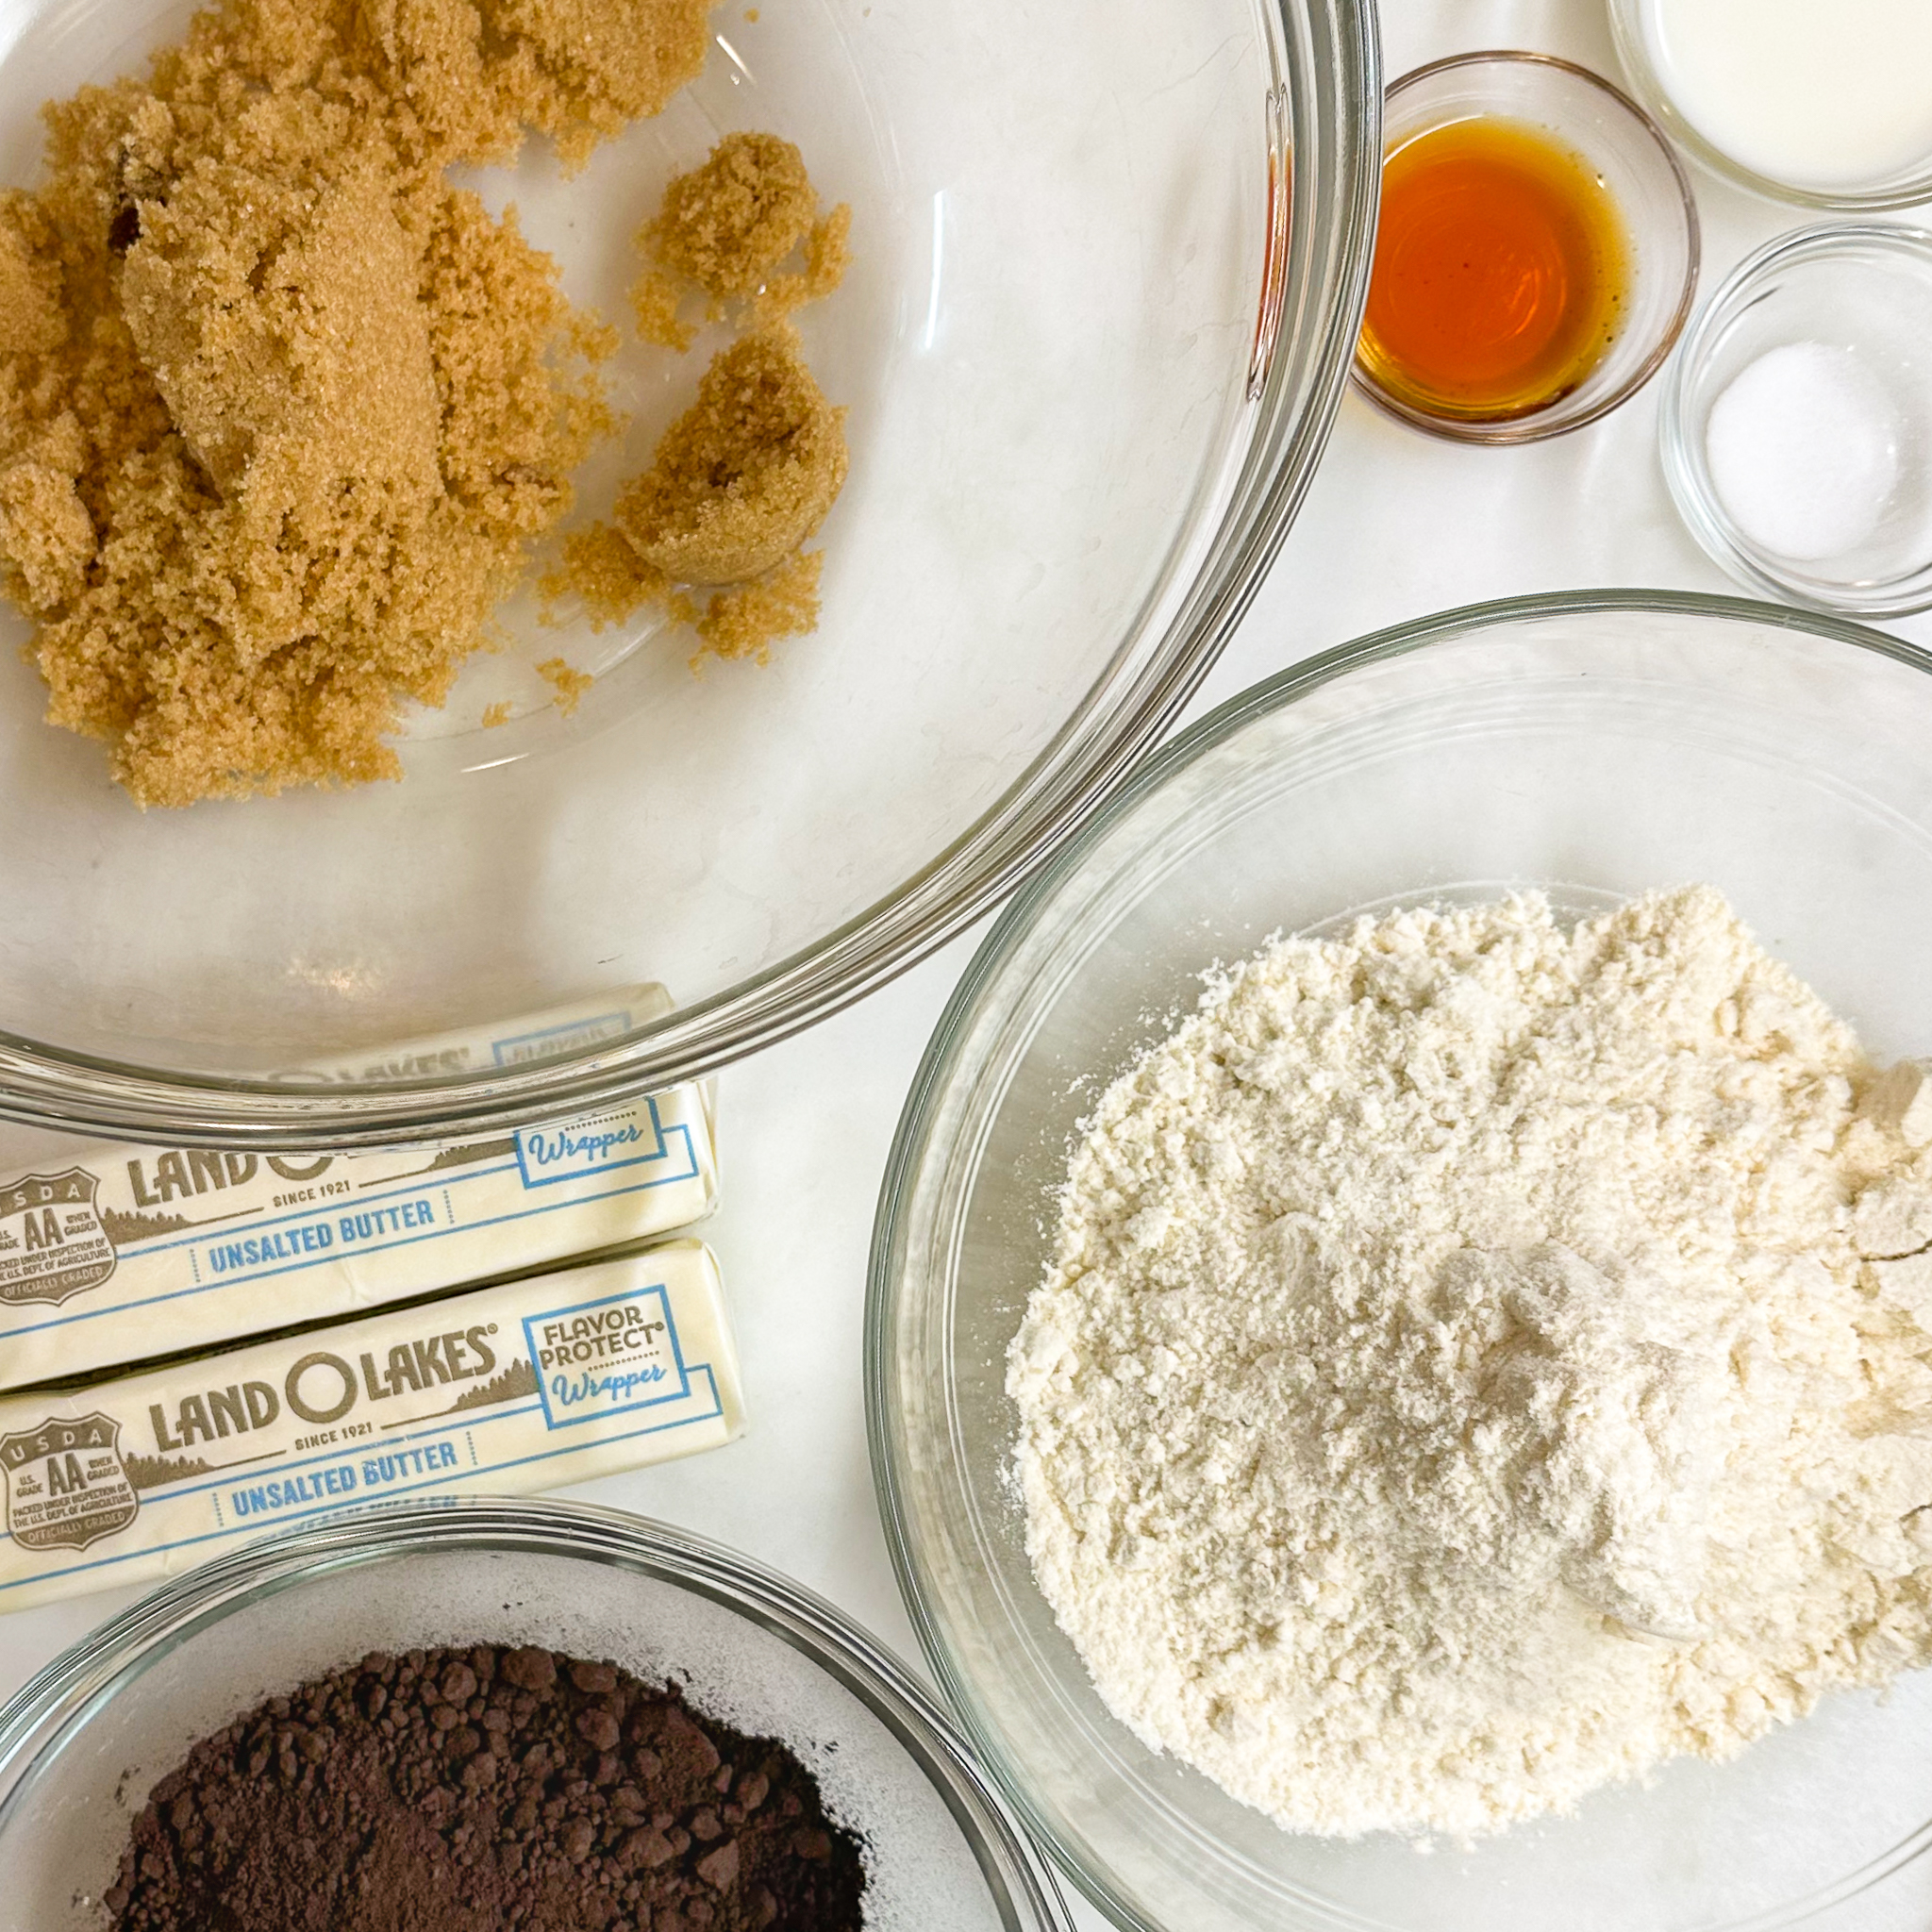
(598, 1359)
(614, 1391)
(407, 1464)
(335, 1481)
(273, 1497)
(572, 1035)
(611, 1140)
(301, 1240)
(288, 1243)
(372, 1224)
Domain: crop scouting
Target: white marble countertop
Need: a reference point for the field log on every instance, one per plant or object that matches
(1395, 526)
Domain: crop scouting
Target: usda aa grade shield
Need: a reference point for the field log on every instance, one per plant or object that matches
(66, 1484)
(52, 1243)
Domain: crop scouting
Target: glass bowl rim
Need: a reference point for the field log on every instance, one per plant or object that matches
(940, 1072)
(1643, 77)
(1322, 115)
(1534, 427)
(37, 1721)
(1685, 472)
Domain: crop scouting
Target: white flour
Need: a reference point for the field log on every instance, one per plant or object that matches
(1456, 1384)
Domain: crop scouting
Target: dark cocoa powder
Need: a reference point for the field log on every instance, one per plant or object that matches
(467, 1790)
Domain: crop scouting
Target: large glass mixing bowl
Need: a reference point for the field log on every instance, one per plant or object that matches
(81, 1745)
(1593, 745)
(1106, 284)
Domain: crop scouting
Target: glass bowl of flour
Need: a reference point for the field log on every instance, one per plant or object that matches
(1579, 752)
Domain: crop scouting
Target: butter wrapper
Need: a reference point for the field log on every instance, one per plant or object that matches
(544, 1036)
(111, 1255)
(527, 1386)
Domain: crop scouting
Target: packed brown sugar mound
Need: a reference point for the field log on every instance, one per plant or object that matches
(746, 473)
(726, 227)
(745, 476)
(741, 481)
(280, 409)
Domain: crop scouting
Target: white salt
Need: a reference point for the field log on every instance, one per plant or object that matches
(1803, 451)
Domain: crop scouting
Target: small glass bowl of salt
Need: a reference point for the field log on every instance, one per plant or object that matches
(1796, 424)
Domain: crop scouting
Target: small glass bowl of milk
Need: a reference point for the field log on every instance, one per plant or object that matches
(1827, 102)
(1796, 421)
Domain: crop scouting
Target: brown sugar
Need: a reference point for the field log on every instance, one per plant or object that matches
(606, 575)
(567, 681)
(612, 583)
(653, 304)
(281, 408)
(748, 619)
(725, 227)
(580, 69)
(746, 473)
(45, 529)
(827, 256)
(285, 335)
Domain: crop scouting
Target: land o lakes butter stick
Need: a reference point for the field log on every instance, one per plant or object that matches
(527, 1385)
(113, 1253)
(535, 1037)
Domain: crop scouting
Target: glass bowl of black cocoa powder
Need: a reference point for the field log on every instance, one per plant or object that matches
(490, 1714)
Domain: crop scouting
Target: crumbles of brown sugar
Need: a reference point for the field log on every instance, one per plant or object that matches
(605, 575)
(726, 228)
(746, 473)
(741, 481)
(745, 476)
(280, 406)
(567, 681)
(747, 620)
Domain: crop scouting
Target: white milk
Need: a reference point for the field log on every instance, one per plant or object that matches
(1818, 93)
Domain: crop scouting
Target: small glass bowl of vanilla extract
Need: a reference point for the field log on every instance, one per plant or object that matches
(1536, 253)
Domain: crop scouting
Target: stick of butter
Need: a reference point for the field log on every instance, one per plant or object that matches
(544, 1036)
(113, 1253)
(528, 1386)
